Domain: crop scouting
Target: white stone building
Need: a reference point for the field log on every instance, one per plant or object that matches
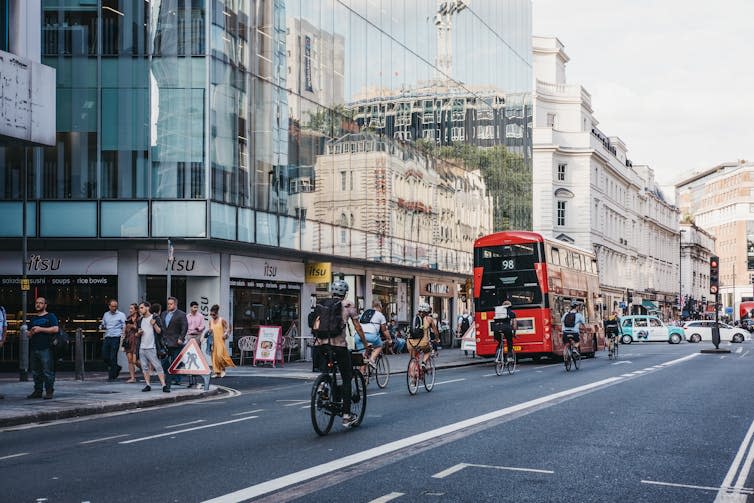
(697, 245)
(587, 191)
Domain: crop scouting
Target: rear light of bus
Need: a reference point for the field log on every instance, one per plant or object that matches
(547, 327)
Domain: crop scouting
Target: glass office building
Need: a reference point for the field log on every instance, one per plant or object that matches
(262, 136)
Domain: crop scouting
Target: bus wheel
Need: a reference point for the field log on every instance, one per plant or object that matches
(536, 358)
(594, 345)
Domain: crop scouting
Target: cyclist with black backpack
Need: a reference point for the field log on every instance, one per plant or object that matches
(374, 324)
(329, 324)
(571, 322)
(504, 327)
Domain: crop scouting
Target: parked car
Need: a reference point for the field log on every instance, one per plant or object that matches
(701, 330)
(648, 328)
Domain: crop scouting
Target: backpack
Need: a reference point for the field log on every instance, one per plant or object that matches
(465, 324)
(366, 316)
(417, 329)
(570, 320)
(327, 321)
(59, 342)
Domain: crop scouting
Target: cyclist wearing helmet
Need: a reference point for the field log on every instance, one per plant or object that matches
(424, 327)
(339, 290)
(571, 322)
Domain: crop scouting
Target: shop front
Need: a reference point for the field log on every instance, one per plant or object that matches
(77, 286)
(395, 294)
(265, 292)
(440, 294)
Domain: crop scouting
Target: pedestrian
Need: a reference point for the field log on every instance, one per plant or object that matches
(42, 327)
(114, 325)
(131, 340)
(196, 329)
(220, 331)
(150, 328)
(3, 332)
(175, 327)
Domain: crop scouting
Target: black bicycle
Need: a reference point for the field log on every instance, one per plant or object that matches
(327, 402)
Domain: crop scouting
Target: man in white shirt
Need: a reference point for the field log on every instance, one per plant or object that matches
(374, 324)
(149, 329)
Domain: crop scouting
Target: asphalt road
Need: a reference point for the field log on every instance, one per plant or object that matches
(664, 423)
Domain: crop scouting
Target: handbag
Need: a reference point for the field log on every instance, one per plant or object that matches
(126, 344)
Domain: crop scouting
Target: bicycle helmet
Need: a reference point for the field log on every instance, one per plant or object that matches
(339, 288)
(424, 308)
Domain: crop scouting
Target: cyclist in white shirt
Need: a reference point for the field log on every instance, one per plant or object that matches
(375, 330)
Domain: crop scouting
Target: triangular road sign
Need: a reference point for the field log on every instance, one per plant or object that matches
(190, 361)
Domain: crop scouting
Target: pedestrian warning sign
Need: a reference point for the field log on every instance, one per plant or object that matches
(190, 361)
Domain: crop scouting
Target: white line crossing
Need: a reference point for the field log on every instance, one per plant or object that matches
(734, 494)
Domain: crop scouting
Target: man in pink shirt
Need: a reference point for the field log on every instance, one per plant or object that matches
(196, 328)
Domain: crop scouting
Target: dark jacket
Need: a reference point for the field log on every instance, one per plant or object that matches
(174, 330)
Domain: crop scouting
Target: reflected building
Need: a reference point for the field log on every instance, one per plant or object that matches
(245, 132)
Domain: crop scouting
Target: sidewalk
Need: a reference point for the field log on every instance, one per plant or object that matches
(82, 398)
(96, 396)
(446, 358)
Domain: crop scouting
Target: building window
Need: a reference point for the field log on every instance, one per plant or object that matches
(561, 213)
(343, 180)
(551, 120)
(561, 172)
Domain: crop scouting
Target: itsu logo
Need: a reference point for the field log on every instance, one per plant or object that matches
(38, 264)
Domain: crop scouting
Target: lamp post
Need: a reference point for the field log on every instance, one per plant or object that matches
(680, 275)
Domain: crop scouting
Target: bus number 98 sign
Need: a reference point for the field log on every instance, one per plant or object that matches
(507, 265)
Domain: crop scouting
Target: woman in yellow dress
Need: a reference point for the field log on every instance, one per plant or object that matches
(220, 331)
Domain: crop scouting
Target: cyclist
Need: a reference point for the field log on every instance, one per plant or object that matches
(374, 324)
(424, 325)
(339, 290)
(504, 325)
(571, 322)
(612, 329)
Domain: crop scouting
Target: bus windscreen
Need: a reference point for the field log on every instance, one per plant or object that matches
(509, 274)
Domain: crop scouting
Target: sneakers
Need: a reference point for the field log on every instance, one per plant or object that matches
(222, 374)
(48, 395)
(147, 388)
(349, 420)
(166, 389)
(36, 394)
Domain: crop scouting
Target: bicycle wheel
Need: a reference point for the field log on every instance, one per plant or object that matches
(567, 358)
(511, 364)
(615, 348)
(382, 372)
(358, 396)
(429, 374)
(499, 361)
(576, 357)
(412, 376)
(322, 416)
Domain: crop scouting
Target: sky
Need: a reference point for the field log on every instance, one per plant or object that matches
(672, 78)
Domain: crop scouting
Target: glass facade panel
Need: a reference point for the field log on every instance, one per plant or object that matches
(124, 219)
(179, 219)
(12, 214)
(223, 221)
(267, 229)
(68, 219)
(245, 225)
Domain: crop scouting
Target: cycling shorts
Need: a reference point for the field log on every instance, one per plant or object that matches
(573, 335)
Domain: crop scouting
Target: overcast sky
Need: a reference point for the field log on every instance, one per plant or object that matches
(673, 79)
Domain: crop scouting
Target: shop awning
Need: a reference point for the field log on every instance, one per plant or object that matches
(651, 306)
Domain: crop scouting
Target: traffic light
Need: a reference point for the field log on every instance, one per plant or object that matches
(714, 274)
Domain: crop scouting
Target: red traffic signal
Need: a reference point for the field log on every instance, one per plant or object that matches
(714, 274)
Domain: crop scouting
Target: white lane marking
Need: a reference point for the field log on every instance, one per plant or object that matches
(723, 494)
(186, 430)
(626, 375)
(247, 412)
(747, 352)
(461, 466)
(387, 497)
(14, 455)
(739, 350)
(103, 439)
(622, 362)
(378, 394)
(452, 380)
(687, 486)
(488, 375)
(297, 402)
(186, 424)
(359, 457)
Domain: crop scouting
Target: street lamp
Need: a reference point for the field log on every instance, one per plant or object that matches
(680, 275)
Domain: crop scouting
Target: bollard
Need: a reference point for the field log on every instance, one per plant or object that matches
(79, 355)
(23, 354)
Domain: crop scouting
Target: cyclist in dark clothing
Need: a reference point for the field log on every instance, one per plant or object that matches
(505, 326)
(612, 330)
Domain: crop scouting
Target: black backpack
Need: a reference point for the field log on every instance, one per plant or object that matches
(465, 324)
(326, 320)
(570, 320)
(366, 316)
(60, 342)
(417, 329)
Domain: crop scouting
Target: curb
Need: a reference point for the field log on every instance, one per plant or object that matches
(475, 361)
(90, 410)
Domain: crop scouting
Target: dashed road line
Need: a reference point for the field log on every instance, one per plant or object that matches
(689, 486)
(103, 439)
(387, 497)
(460, 466)
(186, 424)
(14, 455)
(247, 412)
(186, 430)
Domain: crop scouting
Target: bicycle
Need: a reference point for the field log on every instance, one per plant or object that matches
(380, 369)
(501, 364)
(612, 347)
(416, 373)
(571, 355)
(326, 402)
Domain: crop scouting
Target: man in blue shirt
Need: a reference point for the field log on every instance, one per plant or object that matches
(114, 324)
(42, 327)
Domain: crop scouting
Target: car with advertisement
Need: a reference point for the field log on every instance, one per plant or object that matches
(648, 328)
(701, 330)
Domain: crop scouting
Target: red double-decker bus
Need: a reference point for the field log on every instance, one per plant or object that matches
(540, 277)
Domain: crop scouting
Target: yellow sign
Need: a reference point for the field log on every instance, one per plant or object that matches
(318, 272)
(25, 285)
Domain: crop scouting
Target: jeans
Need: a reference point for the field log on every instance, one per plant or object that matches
(343, 357)
(110, 348)
(167, 362)
(43, 369)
